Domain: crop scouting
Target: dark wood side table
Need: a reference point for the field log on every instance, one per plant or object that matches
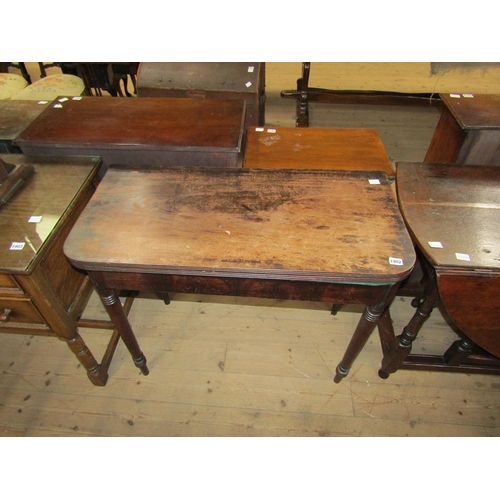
(468, 131)
(316, 148)
(211, 80)
(245, 232)
(153, 131)
(40, 292)
(15, 116)
(452, 212)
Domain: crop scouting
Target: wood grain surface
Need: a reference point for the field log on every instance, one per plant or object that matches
(312, 225)
(316, 148)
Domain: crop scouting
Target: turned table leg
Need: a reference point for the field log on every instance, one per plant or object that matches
(115, 310)
(401, 346)
(365, 327)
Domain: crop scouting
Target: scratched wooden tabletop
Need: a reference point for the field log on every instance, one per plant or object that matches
(316, 148)
(309, 225)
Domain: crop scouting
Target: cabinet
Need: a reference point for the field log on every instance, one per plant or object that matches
(41, 293)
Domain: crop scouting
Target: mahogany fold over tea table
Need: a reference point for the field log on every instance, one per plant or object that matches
(287, 234)
(452, 212)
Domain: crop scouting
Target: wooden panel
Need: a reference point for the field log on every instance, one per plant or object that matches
(316, 148)
(446, 140)
(7, 282)
(472, 303)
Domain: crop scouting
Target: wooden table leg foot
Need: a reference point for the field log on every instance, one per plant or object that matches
(99, 377)
(340, 374)
(141, 363)
(383, 374)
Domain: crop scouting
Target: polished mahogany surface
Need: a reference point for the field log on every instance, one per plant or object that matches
(316, 148)
(468, 131)
(453, 213)
(290, 224)
(474, 111)
(104, 122)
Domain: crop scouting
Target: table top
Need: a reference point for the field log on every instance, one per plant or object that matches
(146, 123)
(455, 207)
(322, 226)
(241, 77)
(16, 115)
(317, 148)
(474, 111)
(28, 219)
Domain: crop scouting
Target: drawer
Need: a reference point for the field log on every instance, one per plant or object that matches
(21, 311)
(8, 285)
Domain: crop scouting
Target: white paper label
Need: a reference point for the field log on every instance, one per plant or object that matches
(271, 130)
(248, 84)
(259, 129)
(17, 245)
(57, 105)
(35, 219)
(373, 181)
(43, 102)
(462, 256)
(63, 99)
(395, 262)
(455, 96)
(250, 69)
(77, 98)
(468, 96)
(435, 244)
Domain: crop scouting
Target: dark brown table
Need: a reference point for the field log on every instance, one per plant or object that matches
(452, 212)
(207, 80)
(468, 131)
(150, 131)
(291, 234)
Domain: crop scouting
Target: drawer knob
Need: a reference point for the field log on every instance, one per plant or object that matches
(4, 317)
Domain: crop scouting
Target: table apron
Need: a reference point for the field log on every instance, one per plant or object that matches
(341, 292)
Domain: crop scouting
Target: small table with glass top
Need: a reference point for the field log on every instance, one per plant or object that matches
(40, 292)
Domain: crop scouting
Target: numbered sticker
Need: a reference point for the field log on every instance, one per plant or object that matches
(250, 69)
(393, 261)
(271, 130)
(259, 129)
(17, 245)
(435, 244)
